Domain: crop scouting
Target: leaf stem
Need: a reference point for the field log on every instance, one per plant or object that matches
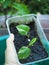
(28, 35)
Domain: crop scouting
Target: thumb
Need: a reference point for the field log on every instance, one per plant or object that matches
(10, 53)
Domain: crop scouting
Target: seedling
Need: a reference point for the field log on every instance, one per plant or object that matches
(25, 51)
(23, 29)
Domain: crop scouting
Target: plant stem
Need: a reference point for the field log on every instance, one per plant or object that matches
(28, 46)
(28, 35)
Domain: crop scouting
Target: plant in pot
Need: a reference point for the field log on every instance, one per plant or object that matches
(25, 51)
(30, 42)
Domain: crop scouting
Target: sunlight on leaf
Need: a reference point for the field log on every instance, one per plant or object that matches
(23, 29)
(24, 52)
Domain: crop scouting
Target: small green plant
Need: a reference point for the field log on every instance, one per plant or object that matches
(23, 29)
(25, 51)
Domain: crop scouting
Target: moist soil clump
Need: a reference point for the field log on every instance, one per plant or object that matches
(37, 51)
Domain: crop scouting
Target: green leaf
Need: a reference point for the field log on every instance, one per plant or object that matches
(2, 1)
(23, 29)
(21, 8)
(24, 52)
(6, 3)
(32, 41)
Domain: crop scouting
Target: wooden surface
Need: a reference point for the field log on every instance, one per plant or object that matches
(44, 20)
(47, 33)
(45, 26)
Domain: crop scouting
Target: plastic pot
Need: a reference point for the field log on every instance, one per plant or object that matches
(27, 19)
(44, 21)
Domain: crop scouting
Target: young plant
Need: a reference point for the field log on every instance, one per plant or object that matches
(23, 29)
(25, 51)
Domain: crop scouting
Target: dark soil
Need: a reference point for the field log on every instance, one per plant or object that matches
(37, 51)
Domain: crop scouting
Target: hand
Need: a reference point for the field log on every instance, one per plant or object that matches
(10, 53)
